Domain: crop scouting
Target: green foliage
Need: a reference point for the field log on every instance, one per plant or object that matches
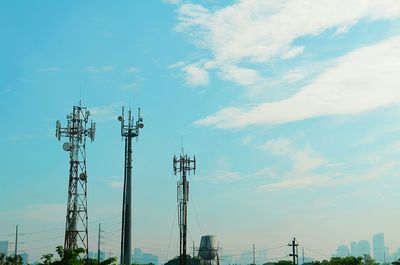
(189, 261)
(10, 260)
(366, 260)
(72, 257)
(284, 262)
(396, 262)
(346, 261)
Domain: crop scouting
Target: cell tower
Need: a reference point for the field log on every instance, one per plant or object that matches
(184, 165)
(76, 227)
(128, 131)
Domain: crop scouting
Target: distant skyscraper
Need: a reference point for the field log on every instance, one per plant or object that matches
(4, 247)
(354, 250)
(143, 258)
(360, 249)
(364, 248)
(149, 258)
(342, 251)
(378, 242)
(93, 255)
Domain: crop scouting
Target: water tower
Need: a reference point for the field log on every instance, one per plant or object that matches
(208, 250)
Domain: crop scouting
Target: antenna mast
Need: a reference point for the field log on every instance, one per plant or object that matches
(183, 165)
(128, 131)
(76, 227)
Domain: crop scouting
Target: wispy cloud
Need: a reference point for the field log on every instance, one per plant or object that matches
(195, 75)
(49, 69)
(131, 86)
(172, 2)
(105, 113)
(304, 161)
(115, 182)
(362, 80)
(222, 176)
(132, 69)
(101, 69)
(308, 168)
(257, 31)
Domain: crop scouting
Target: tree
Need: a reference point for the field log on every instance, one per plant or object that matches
(396, 262)
(367, 260)
(346, 261)
(10, 260)
(189, 261)
(72, 257)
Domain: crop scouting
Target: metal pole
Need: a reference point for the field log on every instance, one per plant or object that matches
(185, 217)
(16, 241)
(254, 254)
(98, 244)
(294, 252)
(126, 240)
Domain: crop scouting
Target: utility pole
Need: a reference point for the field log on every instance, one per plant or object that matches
(254, 254)
(193, 250)
(76, 225)
(184, 165)
(294, 254)
(99, 243)
(129, 131)
(16, 241)
(302, 254)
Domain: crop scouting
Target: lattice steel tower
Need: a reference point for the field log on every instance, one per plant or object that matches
(184, 165)
(76, 227)
(128, 131)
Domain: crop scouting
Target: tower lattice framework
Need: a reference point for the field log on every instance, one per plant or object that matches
(77, 130)
(183, 166)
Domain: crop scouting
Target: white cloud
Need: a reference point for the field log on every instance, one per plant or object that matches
(293, 52)
(240, 75)
(256, 31)
(102, 69)
(171, 2)
(195, 75)
(131, 86)
(297, 183)
(294, 76)
(50, 69)
(132, 69)
(105, 113)
(304, 160)
(301, 173)
(362, 80)
(226, 176)
(246, 140)
(115, 182)
(308, 168)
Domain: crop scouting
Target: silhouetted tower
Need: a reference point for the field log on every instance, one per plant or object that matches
(183, 165)
(76, 227)
(294, 254)
(128, 131)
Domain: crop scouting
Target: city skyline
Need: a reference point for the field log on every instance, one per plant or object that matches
(290, 107)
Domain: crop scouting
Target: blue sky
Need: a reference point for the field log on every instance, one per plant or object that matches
(290, 107)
